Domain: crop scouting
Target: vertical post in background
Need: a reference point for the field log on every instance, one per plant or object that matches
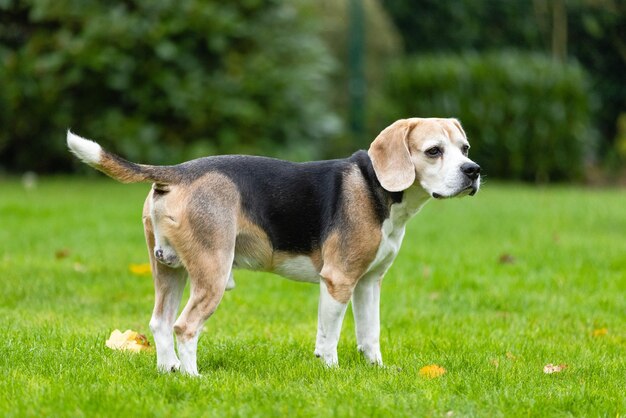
(559, 31)
(356, 73)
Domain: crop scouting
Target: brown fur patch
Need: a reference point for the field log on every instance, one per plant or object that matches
(120, 169)
(128, 172)
(316, 259)
(193, 217)
(391, 158)
(253, 248)
(349, 250)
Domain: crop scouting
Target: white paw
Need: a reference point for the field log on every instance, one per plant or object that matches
(371, 354)
(191, 373)
(329, 358)
(169, 366)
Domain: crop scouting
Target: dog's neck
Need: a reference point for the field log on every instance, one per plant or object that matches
(397, 206)
(413, 199)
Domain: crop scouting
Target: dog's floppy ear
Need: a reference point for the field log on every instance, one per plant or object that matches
(391, 158)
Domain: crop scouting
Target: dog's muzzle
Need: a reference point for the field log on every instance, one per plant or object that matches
(467, 191)
(471, 171)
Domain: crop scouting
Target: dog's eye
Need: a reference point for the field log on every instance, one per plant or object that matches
(465, 149)
(434, 152)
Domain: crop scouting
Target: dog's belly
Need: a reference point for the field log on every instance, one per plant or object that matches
(252, 255)
(248, 263)
(299, 268)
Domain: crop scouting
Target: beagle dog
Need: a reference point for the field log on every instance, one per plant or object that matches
(338, 223)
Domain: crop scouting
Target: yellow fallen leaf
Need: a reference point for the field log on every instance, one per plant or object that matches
(551, 368)
(127, 340)
(432, 371)
(140, 269)
(600, 332)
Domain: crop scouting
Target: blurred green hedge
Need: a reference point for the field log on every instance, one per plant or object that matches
(162, 81)
(527, 117)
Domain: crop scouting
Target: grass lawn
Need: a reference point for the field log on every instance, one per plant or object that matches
(491, 288)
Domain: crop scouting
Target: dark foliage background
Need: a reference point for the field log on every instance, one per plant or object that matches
(161, 81)
(526, 116)
(594, 36)
(539, 84)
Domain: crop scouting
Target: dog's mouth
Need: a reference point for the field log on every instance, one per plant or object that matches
(467, 191)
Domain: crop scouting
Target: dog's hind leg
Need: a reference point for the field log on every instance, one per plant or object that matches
(169, 285)
(168, 289)
(206, 245)
(208, 275)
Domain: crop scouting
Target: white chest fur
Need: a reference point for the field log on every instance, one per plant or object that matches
(393, 230)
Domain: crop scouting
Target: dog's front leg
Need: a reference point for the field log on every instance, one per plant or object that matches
(329, 318)
(366, 310)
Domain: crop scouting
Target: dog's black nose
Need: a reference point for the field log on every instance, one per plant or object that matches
(471, 170)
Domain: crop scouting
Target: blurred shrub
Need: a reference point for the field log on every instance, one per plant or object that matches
(527, 117)
(382, 45)
(596, 30)
(161, 81)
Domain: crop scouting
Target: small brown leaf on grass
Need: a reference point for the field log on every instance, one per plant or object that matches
(551, 368)
(62, 253)
(127, 340)
(139, 269)
(506, 258)
(432, 371)
(600, 332)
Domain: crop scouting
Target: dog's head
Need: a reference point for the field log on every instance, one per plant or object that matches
(431, 153)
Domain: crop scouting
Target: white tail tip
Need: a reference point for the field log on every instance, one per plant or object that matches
(87, 151)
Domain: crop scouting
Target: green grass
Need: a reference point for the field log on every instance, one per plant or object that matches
(447, 300)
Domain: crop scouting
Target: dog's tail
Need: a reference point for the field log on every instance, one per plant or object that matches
(118, 168)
